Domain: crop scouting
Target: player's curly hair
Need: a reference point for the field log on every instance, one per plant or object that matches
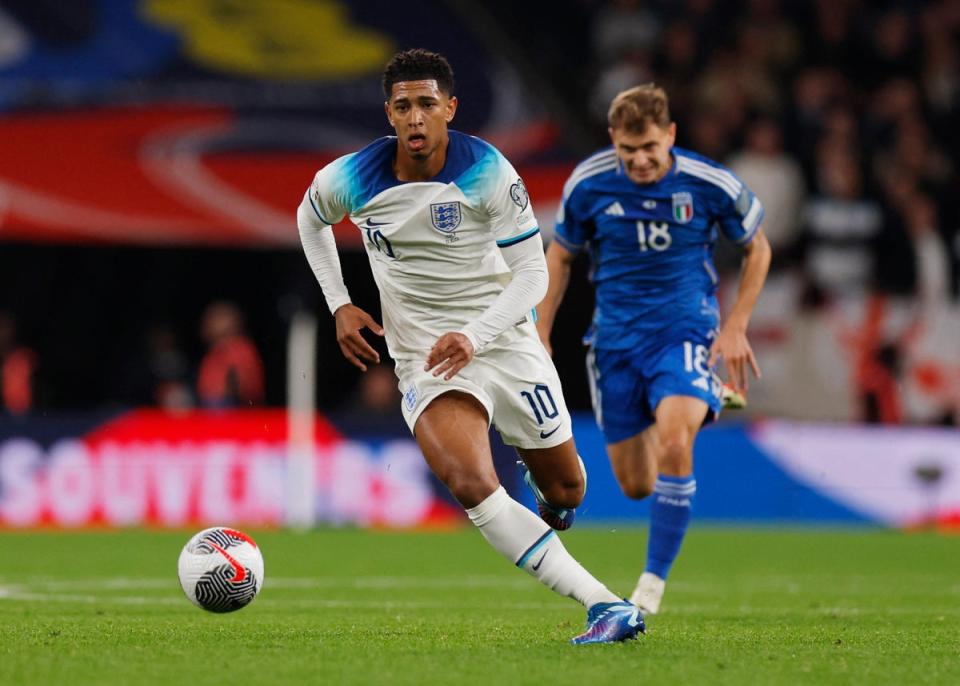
(636, 108)
(415, 65)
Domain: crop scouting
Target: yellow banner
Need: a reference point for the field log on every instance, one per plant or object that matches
(289, 39)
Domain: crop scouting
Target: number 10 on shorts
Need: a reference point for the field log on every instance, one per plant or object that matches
(541, 402)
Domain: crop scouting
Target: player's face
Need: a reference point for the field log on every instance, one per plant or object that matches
(645, 156)
(419, 112)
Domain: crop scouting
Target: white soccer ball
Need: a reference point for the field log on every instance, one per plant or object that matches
(220, 569)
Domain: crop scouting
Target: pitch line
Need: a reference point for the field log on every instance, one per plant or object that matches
(279, 582)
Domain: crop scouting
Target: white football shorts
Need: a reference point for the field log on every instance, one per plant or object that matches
(515, 381)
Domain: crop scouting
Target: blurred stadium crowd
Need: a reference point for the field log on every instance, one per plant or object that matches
(840, 114)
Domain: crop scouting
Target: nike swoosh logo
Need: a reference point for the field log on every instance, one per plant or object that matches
(239, 573)
(369, 224)
(540, 561)
(549, 433)
(233, 533)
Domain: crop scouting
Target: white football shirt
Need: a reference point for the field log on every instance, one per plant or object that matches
(433, 246)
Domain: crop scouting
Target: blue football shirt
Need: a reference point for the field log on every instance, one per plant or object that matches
(651, 245)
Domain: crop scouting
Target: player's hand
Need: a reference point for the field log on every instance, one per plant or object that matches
(350, 320)
(732, 346)
(451, 353)
(544, 334)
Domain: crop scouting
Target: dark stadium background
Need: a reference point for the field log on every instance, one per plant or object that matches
(156, 354)
(106, 104)
(84, 308)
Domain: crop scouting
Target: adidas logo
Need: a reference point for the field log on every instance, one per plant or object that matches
(676, 502)
(615, 210)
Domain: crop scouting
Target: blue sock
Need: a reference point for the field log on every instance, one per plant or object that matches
(669, 517)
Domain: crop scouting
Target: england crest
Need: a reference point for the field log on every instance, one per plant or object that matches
(445, 216)
(682, 207)
(410, 398)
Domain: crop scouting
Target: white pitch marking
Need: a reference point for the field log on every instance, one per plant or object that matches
(17, 593)
(362, 582)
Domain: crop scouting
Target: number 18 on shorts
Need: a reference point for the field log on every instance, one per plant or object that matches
(627, 385)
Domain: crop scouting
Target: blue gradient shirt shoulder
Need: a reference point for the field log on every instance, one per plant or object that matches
(355, 179)
(333, 190)
(473, 165)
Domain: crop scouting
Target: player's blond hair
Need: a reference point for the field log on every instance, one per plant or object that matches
(634, 109)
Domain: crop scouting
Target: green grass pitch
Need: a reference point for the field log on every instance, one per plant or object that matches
(743, 606)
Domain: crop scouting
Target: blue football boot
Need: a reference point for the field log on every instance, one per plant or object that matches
(559, 518)
(611, 622)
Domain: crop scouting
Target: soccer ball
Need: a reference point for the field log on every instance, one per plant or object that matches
(220, 569)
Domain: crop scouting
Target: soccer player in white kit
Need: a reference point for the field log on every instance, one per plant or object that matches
(456, 254)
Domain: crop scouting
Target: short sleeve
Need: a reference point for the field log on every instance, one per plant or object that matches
(327, 194)
(511, 214)
(740, 217)
(572, 231)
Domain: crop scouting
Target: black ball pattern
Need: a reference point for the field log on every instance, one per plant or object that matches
(222, 537)
(216, 591)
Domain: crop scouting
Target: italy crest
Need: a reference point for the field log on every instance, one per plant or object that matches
(682, 207)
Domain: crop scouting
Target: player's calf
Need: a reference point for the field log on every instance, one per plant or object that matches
(559, 514)
(526, 541)
(634, 463)
(469, 488)
(669, 519)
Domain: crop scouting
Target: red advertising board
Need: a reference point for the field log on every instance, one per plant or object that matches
(200, 468)
(168, 175)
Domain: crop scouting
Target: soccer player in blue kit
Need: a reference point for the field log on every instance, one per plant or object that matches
(648, 213)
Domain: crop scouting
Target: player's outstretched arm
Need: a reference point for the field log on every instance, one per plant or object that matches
(320, 248)
(731, 344)
(559, 261)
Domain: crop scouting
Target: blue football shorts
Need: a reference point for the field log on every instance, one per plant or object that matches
(627, 385)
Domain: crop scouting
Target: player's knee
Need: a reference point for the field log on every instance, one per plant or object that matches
(676, 454)
(635, 476)
(637, 487)
(567, 492)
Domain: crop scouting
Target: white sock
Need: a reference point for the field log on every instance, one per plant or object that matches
(525, 539)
